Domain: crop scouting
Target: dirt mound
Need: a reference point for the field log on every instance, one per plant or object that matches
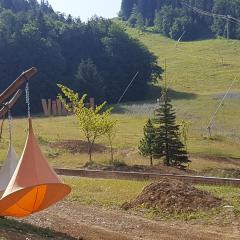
(174, 196)
(78, 146)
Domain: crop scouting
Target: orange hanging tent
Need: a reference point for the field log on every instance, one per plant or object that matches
(34, 185)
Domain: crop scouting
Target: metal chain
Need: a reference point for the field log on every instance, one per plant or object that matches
(10, 126)
(28, 100)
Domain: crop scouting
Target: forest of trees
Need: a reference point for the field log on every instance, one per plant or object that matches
(173, 18)
(96, 57)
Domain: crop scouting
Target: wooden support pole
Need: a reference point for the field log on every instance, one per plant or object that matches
(17, 84)
(11, 103)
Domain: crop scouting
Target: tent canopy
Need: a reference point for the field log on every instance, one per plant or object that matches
(34, 185)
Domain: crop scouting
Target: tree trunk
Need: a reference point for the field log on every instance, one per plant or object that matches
(90, 156)
(90, 151)
(112, 153)
(151, 161)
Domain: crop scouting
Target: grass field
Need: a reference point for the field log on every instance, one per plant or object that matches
(113, 193)
(50, 130)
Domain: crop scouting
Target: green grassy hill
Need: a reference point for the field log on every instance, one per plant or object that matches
(199, 74)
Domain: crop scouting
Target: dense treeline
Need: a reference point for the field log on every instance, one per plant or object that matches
(174, 17)
(96, 57)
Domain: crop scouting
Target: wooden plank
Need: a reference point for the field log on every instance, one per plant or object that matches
(64, 110)
(59, 107)
(17, 84)
(92, 103)
(11, 103)
(47, 107)
(54, 108)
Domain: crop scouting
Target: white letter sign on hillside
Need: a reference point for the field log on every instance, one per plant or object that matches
(56, 108)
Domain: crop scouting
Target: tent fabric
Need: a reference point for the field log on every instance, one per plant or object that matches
(8, 168)
(34, 185)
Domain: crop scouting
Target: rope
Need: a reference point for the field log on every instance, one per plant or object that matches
(1, 131)
(28, 99)
(9, 126)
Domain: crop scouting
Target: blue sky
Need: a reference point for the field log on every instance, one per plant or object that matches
(87, 8)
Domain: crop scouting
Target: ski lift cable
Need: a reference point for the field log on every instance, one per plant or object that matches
(226, 17)
(220, 104)
(129, 85)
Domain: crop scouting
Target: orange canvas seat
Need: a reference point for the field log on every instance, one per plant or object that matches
(34, 185)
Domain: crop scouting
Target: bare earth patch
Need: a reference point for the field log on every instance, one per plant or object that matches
(4, 235)
(174, 196)
(92, 223)
(78, 146)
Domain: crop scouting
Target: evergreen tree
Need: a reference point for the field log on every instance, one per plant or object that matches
(167, 139)
(89, 80)
(126, 9)
(97, 56)
(140, 24)
(134, 15)
(174, 17)
(146, 146)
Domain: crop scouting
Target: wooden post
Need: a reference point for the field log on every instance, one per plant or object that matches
(54, 108)
(47, 107)
(11, 103)
(59, 107)
(92, 104)
(64, 110)
(17, 84)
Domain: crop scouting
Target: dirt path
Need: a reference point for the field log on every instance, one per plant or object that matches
(92, 223)
(11, 235)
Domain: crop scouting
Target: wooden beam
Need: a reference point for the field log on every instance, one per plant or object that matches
(17, 84)
(11, 103)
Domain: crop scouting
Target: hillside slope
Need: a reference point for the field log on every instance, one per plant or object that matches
(199, 67)
(199, 73)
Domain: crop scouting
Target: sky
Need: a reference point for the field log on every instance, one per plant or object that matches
(85, 9)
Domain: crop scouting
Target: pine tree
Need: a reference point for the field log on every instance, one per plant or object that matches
(167, 139)
(146, 146)
(140, 24)
(126, 9)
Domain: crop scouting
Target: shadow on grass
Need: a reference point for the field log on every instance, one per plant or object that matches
(200, 35)
(25, 228)
(155, 93)
(149, 104)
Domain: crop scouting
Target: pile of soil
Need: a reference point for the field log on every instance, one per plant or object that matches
(174, 196)
(78, 146)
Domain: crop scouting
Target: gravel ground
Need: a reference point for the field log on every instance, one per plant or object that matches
(92, 223)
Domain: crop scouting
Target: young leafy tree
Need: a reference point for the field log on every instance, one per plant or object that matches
(146, 146)
(167, 139)
(93, 122)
